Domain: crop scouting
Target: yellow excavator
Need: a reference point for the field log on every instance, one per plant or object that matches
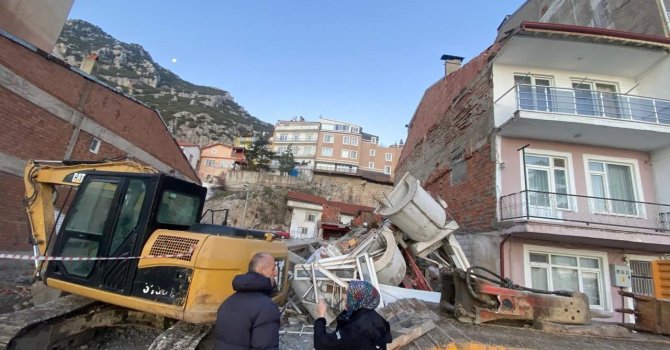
(124, 210)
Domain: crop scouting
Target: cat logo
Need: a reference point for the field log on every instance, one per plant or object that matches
(77, 178)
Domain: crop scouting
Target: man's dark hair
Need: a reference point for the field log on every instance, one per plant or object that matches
(256, 260)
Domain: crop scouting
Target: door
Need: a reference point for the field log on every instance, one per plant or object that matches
(534, 93)
(105, 220)
(585, 101)
(610, 105)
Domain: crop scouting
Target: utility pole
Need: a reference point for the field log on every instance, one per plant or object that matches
(244, 213)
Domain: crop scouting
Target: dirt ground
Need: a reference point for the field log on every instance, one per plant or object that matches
(15, 280)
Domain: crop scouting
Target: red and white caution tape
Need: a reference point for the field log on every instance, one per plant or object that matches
(89, 258)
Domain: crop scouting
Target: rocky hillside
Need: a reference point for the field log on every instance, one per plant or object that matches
(194, 113)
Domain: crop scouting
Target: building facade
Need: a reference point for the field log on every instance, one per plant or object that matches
(192, 153)
(330, 146)
(217, 159)
(557, 177)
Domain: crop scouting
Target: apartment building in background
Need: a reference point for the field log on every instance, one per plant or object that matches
(217, 159)
(334, 147)
(552, 148)
(302, 137)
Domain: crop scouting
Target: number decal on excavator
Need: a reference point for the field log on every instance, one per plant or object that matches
(149, 289)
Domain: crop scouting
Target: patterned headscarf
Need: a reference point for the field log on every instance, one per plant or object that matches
(361, 295)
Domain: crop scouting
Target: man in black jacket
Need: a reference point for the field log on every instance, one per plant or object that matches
(249, 319)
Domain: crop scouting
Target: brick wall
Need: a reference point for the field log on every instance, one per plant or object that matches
(30, 131)
(454, 120)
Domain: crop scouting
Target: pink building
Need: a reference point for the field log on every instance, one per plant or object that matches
(552, 149)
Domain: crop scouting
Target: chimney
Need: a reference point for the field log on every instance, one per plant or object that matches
(451, 63)
(88, 63)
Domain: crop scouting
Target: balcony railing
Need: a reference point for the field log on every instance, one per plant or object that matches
(296, 139)
(559, 207)
(591, 103)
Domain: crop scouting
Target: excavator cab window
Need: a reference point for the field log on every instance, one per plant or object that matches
(131, 208)
(178, 209)
(88, 218)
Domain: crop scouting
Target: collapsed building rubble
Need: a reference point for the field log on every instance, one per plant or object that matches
(414, 259)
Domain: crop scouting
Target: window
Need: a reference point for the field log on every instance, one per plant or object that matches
(353, 154)
(283, 137)
(547, 175)
(641, 278)
(374, 140)
(95, 146)
(354, 141)
(613, 183)
(345, 153)
(210, 162)
(535, 93)
(326, 151)
(372, 153)
(355, 129)
(388, 157)
(371, 165)
(130, 213)
(387, 169)
(302, 230)
(311, 217)
(341, 127)
(308, 150)
(593, 98)
(325, 166)
(281, 149)
(345, 140)
(583, 273)
(178, 209)
(328, 138)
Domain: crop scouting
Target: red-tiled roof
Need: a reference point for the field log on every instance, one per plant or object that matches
(304, 197)
(344, 208)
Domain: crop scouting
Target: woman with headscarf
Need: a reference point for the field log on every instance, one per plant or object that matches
(359, 326)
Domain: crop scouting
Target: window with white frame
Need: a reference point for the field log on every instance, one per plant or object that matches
(388, 157)
(354, 141)
(326, 151)
(283, 137)
(328, 138)
(573, 272)
(547, 178)
(308, 150)
(372, 153)
(345, 153)
(614, 184)
(371, 165)
(345, 140)
(535, 92)
(387, 169)
(210, 162)
(374, 140)
(311, 217)
(355, 129)
(353, 154)
(302, 230)
(95, 146)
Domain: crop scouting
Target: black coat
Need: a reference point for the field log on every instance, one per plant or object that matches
(364, 329)
(248, 319)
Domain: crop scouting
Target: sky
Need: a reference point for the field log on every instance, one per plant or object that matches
(366, 62)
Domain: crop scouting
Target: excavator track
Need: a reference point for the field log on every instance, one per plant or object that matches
(68, 322)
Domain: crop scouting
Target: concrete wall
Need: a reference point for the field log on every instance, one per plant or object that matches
(51, 112)
(654, 82)
(640, 16)
(661, 161)
(38, 22)
(451, 129)
(235, 180)
(349, 189)
(514, 249)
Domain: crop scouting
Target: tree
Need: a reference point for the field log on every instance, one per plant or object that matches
(259, 154)
(286, 161)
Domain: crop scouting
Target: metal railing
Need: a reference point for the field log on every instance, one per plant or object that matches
(591, 103)
(296, 139)
(560, 207)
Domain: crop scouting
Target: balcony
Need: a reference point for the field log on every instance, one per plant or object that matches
(296, 139)
(584, 116)
(630, 221)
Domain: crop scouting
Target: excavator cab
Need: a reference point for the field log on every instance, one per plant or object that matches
(113, 215)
